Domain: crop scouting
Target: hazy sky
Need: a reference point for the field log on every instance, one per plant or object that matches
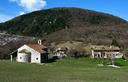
(13, 8)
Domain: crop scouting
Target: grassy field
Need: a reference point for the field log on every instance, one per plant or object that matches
(67, 70)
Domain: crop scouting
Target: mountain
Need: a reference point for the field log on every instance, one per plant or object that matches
(69, 24)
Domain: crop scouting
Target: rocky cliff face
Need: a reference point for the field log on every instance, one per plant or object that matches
(9, 43)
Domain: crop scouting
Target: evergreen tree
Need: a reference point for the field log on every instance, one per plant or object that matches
(115, 43)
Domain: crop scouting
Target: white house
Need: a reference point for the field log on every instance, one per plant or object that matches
(106, 52)
(60, 52)
(33, 53)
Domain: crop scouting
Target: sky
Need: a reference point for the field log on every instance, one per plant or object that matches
(12, 8)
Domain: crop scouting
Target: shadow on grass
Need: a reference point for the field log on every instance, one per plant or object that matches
(53, 59)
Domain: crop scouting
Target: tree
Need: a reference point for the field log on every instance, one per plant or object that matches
(115, 43)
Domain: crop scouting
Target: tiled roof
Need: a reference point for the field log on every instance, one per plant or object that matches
(105, 48)
(38, 48)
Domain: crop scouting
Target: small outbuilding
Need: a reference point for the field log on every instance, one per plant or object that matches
(33, 53)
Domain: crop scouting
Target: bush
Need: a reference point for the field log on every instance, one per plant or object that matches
(77, 53)
(121, 62)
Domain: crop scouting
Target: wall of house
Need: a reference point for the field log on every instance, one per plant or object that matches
(35, 56)
(120, 55)
(96, 54)
(60, 54)
(114, 54)
(23, 57)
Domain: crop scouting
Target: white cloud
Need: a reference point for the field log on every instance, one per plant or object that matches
(21, 13)
(4, 17)
(27, 5)
(31, 5)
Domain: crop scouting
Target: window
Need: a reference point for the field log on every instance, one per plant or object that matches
(36, 58)
(114, 55)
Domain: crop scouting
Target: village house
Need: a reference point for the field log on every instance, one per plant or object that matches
(106, 52)
(33, 53)
(60, 52)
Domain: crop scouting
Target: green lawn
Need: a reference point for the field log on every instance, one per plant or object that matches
(67, 70)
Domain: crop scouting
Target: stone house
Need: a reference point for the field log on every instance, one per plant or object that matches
(106, 52)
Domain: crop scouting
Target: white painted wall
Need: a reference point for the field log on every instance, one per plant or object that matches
(22, 57)
(113, 54)
(35, 56)
(60, 54)
(92, 54)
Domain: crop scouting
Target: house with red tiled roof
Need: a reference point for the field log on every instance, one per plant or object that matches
(33, 53)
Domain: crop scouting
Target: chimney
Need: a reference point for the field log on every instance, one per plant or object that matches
(40, 42)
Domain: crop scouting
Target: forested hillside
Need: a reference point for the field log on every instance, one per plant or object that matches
(45, 22)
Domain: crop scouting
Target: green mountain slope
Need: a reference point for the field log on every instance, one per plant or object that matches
(69, 24)
(63, 24)
(45, 22)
